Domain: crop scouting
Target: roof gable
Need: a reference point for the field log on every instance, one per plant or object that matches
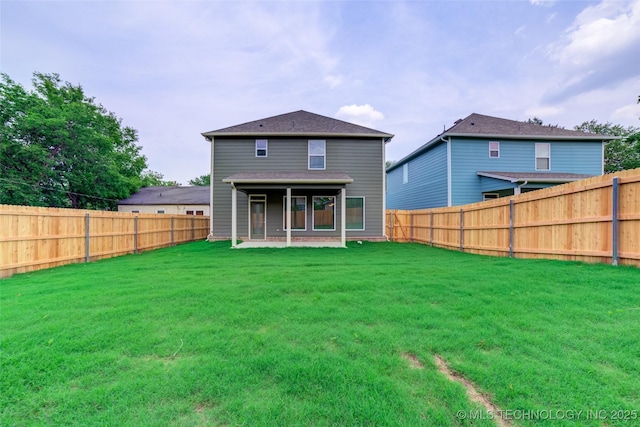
(298, 123)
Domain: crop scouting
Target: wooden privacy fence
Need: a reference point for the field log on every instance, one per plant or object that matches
(593, 220)
(34, 238)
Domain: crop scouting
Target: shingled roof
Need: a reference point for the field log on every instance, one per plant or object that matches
(481, 125)
(196, 195)
(298, 123)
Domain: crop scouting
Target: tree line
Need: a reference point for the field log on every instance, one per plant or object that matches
(60, 148)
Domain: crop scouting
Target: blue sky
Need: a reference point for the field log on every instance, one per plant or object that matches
(174, 69)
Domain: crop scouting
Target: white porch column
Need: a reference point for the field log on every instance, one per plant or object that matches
(343, 216)
(288, 220)
(234, 215)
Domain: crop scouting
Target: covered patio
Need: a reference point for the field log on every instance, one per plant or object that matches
(256, 184)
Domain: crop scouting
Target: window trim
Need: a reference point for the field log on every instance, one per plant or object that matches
(405, 173)
(548, 157)
(266, 147)
(364, 216)
(310, 155)
(284, 213)
(313, 214)
(496, 150)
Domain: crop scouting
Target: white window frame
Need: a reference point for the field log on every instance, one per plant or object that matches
(311, 155)
(496, 149)
(492, 196)
(363, 214)
(405, 173)
(265, 148)
(284, 213)
(313, 213)
(548, 157)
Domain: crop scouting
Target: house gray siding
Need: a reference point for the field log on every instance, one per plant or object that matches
(427, 185)
(361, 159)
(471, 155)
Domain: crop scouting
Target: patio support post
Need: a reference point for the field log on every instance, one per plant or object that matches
(288, 216)
(234, 215)
(343, 216)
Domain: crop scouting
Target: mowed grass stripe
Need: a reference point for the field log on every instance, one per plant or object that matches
(200, 334)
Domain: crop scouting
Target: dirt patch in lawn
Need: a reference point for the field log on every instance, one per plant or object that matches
(412, 360)
(472, 392)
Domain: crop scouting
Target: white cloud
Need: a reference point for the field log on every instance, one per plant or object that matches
(627, 114)
(600, 49)
(544, 112)
(333, 81)
(542, 3)
(363, 115)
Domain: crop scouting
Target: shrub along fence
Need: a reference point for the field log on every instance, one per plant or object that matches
(592, 220)
(34, 238)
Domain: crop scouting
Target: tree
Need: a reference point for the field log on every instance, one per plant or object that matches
(621, 153)
(60, 148)
(202, 180)
(538, 121)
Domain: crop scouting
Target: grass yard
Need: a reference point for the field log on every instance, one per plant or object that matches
(200, 334)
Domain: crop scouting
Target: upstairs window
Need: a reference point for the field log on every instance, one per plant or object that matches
(543, 156)
(261, 147)
(494, 149)
(317, 154)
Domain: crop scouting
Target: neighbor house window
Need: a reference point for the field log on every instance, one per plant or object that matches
(201, 213)
(494, 149)
(261, 147)
(355, 213)
(490, 196)
(160, 211)
(135, 211)
(324, 213)
(189, 212)
(317, 154)
(405, 173)
(298, 213)
(543, 156)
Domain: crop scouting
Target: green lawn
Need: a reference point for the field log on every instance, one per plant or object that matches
(200, 334)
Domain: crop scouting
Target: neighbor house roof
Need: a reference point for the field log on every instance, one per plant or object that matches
(196, 195)
(298, 123)
(481, 126)
(534, 176)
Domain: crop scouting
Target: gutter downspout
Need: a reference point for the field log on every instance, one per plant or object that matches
(448, 169)
(210, 236)
(518, 189)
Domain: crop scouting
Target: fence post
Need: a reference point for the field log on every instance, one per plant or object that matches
(431, 229)
(135, 234)
(87, 241)
(391, 216)
(193, 232)
(172, 241)
(411, 229)
(511, 209)
(461, 230)
(615, 230)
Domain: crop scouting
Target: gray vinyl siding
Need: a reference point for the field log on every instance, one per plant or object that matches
(427, 184)
(471, 155)
(362, 159)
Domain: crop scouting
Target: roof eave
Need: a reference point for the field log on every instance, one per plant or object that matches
(287, 181)
(554, 137)
(387, 136)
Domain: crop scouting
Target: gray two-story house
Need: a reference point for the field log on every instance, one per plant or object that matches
(484, 157)
(297, 177)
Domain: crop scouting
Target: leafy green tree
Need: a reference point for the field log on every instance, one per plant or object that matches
(60, 148)
(202, 180)
(621, 153)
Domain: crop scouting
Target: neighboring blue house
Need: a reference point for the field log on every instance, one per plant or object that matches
(483, 157)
